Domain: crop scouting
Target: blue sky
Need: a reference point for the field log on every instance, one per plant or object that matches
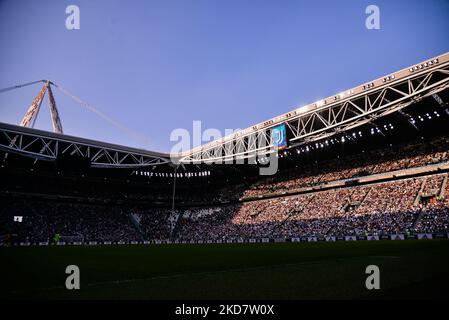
(158, 65)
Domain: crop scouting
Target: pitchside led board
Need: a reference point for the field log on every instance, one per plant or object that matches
(279, 137)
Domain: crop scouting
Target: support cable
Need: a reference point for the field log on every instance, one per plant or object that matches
(131, 133)
(118, 125)
(20, 86)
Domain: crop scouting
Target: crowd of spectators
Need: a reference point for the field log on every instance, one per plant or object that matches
(42, 221)
(415, 205)
(366, 163)
(155, 224)
(435, 214)
(385, 208)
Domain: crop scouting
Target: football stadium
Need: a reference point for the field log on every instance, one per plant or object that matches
(294, 207)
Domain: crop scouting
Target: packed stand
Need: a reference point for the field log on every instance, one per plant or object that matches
(366, 163)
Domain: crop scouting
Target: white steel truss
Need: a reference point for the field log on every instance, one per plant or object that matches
(330, 116)
(333, 115)
(43, 145)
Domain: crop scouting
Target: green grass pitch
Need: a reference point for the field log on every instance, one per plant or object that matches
(408, 269)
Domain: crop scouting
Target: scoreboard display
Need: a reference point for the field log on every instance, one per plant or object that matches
(279, 137)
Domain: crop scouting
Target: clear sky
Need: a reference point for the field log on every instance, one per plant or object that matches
(158, 65)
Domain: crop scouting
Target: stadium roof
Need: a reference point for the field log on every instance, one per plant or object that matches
(46, 145)
(339, 113)
(343, 111)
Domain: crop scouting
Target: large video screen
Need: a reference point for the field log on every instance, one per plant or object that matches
(279, 137)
